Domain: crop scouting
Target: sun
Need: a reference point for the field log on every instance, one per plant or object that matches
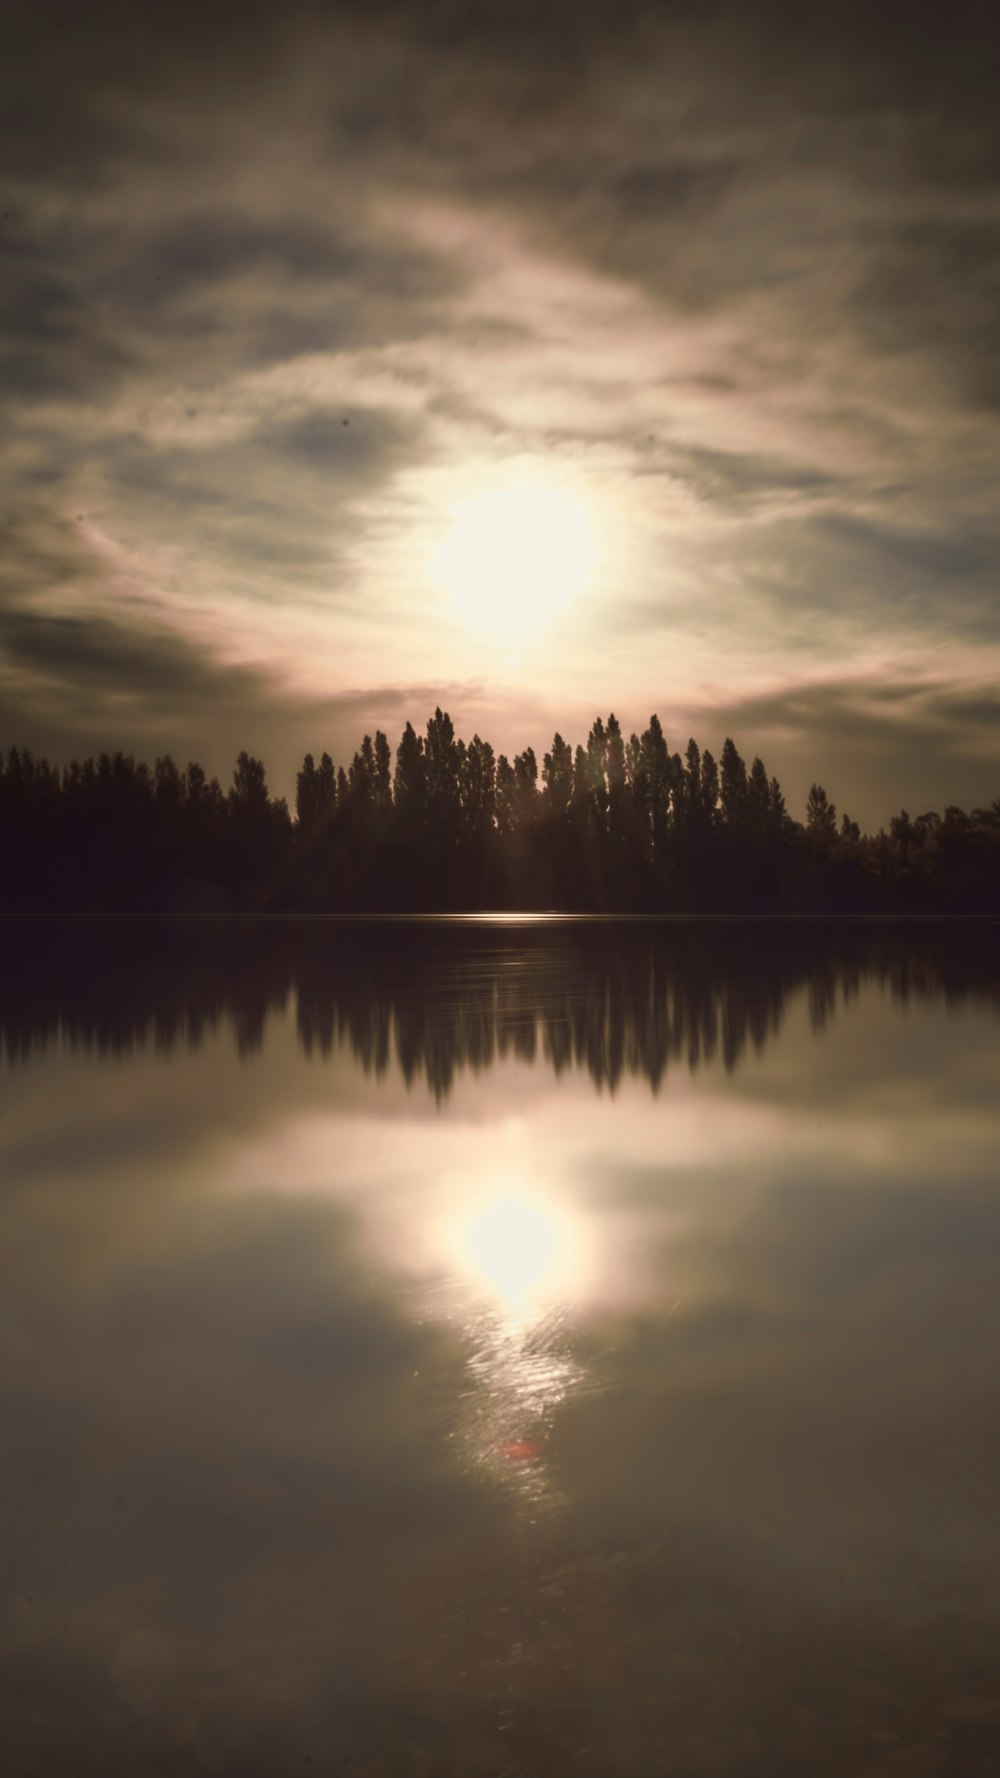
(515, 556)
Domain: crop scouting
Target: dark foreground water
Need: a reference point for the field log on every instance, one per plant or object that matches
(526, 1350)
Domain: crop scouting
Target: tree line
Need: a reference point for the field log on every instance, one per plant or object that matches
(616, 825)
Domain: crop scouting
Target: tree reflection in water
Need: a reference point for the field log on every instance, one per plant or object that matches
(614, 999)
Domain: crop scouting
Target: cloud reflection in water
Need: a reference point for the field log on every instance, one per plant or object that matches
(350, 1409)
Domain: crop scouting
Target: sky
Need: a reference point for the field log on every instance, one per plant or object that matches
(295, 299)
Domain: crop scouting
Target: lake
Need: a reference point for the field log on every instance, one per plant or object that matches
(500, 1348)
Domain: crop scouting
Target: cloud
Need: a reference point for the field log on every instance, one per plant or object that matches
(53, 340)
(74, 685)
(862, 710)
(102, 655)
(280, 492)
(733, 268)
(876, 745)
(732, 483)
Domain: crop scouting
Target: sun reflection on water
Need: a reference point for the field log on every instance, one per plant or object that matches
(518, 1257)
(513, 1245)
(518, 1249)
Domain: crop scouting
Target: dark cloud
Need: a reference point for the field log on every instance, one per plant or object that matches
(945, 715)
(40, 548)
(54, 340)
(920, 743)
(82, 305)
(104, 655)
(933, 290)
(208, 248)
(907, 554)
(350, 444)
(659, 188)
(80, 684)
(731, 481)
(280, 493)
(982, 709)
(239, 277)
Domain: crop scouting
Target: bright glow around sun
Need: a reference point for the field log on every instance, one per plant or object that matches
(515, 556)
(517, 1246)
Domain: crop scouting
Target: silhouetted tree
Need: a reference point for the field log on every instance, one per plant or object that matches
(733, 783)
(614, 771)
(821, 818)
(709, 787)
(614, 824)
(382, 772)
(758, 797)
(659, 780)
(557, 776)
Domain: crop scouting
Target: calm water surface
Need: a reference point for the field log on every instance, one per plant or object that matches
(505, 1350)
